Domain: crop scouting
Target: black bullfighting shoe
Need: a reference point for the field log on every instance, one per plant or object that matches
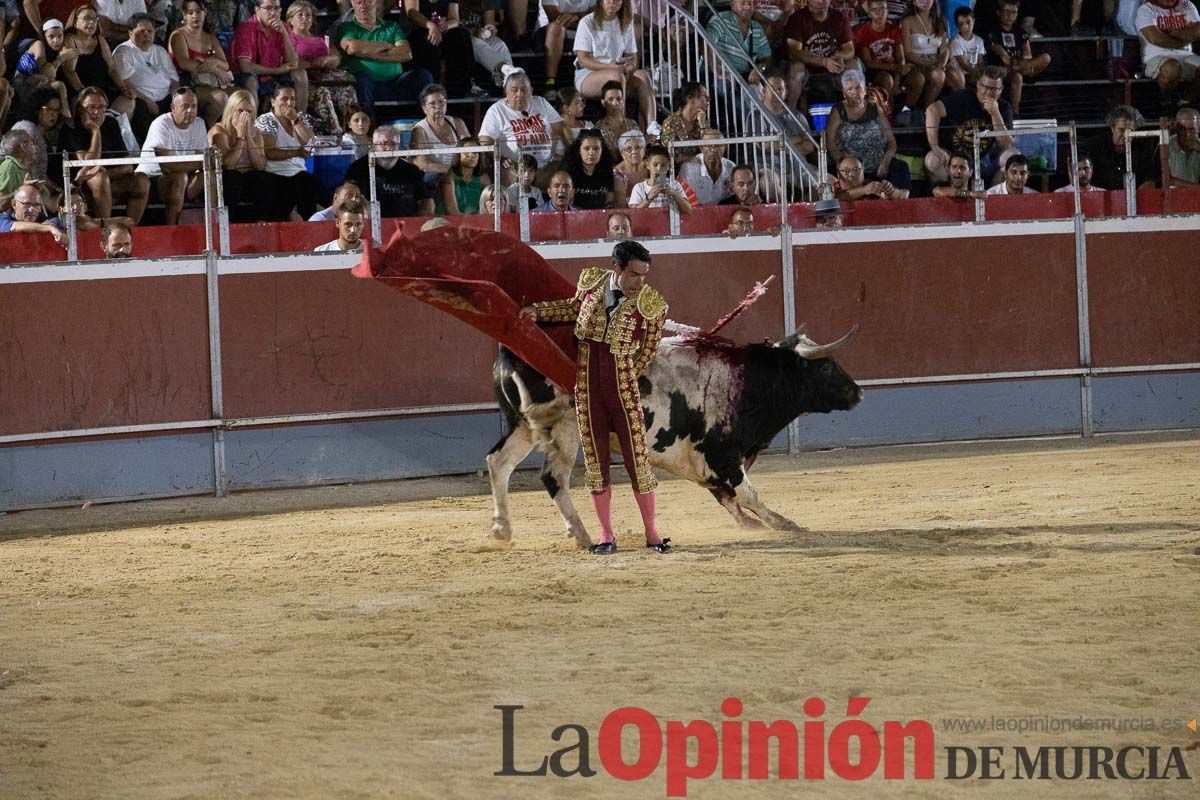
(604, 548)
(660, 547)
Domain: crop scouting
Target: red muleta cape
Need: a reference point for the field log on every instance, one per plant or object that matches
(484, 279)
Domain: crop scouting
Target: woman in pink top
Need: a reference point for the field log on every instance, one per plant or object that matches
(199, 58)
(331, 93)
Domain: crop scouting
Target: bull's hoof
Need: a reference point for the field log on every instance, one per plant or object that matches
(750, 523)
(501, 532)
(582, 540)
(788, 526)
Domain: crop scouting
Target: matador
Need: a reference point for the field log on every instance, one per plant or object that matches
(618, 321)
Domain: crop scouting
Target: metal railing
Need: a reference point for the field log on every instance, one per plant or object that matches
(1164, 138)
(375, 155)
(977, 142)
(205, 158)
(680, 47)
(780, 176)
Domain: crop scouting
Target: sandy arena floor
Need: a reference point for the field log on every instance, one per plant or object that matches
(352, 641)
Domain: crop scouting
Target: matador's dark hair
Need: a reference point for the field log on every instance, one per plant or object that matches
(627, 251)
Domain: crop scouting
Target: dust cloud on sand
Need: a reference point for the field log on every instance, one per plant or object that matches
(352, 641)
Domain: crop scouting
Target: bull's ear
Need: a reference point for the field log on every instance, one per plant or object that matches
(790, 342)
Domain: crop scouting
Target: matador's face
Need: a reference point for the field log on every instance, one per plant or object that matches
(632, 276)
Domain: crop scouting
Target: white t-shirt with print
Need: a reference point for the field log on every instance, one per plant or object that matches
(1166, 20)
(530, 130)
(165, 134)
(971, 50)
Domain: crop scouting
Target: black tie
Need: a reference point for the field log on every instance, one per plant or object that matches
(617, 295)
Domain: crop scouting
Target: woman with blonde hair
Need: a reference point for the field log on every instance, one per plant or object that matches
(606, 50)
(243, 157)
(489, 198)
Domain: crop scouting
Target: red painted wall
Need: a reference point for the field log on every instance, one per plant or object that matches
(948, 307)
(84, 354)
(311, 341)
(76, 354)
(1144, 298)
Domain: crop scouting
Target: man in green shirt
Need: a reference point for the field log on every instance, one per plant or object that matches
(16, 150)
(376, 52)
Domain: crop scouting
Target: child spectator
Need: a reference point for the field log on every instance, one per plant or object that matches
(966, 49)
(1008, 46)
(462, 186)
(880, 46)
(570, 106)
(358, 133)
(38, 67)
(658, 189)
(534, 196)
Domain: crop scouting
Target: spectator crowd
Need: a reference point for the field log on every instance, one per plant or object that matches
(262, 83)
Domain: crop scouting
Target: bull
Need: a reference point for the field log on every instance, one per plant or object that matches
(710, 407)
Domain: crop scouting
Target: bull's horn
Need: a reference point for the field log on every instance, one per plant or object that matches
(811, 351)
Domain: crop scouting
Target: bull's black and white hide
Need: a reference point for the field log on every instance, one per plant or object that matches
(710, 409)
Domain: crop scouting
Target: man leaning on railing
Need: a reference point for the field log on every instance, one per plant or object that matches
(27, 216)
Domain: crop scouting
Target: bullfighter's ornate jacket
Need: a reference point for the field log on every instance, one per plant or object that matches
(634, 330)
(632, 335)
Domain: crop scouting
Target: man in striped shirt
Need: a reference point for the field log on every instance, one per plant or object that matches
(740, 39)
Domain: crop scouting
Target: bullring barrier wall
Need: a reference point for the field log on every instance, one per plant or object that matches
(107, 386)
